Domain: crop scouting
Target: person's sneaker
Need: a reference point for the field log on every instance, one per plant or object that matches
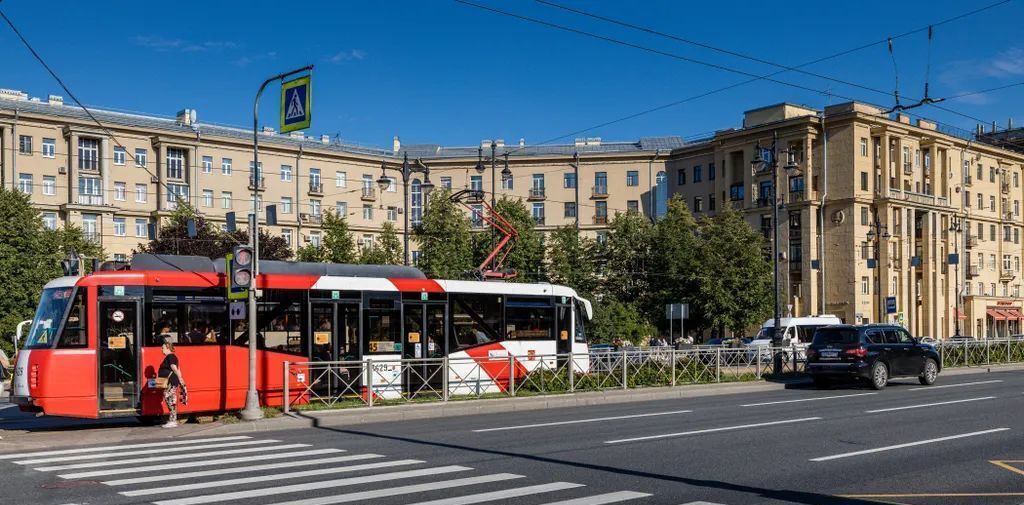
(171, 424)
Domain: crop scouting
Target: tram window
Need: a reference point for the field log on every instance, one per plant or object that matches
(529, 319)
(281, 328)
(166, 324)
(52, 306)
(581, 333)
(204, 324)
(475, 320)
(73, 335)
(381, 327)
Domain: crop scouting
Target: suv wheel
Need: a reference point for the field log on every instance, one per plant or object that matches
(879, 375)
(931, 372)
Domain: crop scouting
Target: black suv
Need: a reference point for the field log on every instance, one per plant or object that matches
(873, 352)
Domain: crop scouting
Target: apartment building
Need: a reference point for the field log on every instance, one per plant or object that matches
(114, 181)
(873, 207)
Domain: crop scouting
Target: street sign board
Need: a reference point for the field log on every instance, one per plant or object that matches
(890, 305)
(237, 310)
(677, 311)
(296, 102)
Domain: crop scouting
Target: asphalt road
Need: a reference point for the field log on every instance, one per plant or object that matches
(958, 442)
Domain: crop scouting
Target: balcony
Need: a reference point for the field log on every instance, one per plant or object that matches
(1007, 276)
(311, 218)
(796, 265)
(599, 192)
(908, 169)
(536, 193)
(91, 236)
(538, 220)
(973, 270)
(972, 241)
(968, 181)
(369, 194)
(476, 196)
(90, 199)
(254, 186)
(602, 220)
(1004, 187)
(763, 202)
(317, 188)
(921, 198)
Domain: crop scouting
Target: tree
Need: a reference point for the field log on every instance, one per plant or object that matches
(387, 250)
(626, 258)
(571, 261)
(209, 241)
(444, 238)
(30, 256)
(526, 255)
(614, 319)
(311, 253)
(338, 246)
(675, 263)
(734, 283)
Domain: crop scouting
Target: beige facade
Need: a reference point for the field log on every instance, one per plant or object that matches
(882, 208)
(78, 173)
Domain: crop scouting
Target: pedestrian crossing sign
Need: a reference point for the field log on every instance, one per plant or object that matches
(296, 103)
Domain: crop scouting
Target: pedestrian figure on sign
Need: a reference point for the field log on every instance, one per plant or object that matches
(170, 371)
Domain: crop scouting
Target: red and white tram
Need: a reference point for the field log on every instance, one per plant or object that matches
(94, 343)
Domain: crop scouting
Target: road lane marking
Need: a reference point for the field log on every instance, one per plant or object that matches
(923, 405)
(154, 459)
(501, 495)
(714, 430)
(243, 469)
(909, 444)
(579, 421)
(602, 499)
(193, 464)
(265, 478)
(395, 491)
(312, 486)
(806, 399)
(156, 450)
(116, 447)
(977, 383)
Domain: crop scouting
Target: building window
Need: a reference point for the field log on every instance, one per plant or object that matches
(698, 173)
(340, 179)
(601, 183)
(119, 155)
(341, 208)
(698, 204)
(207, 198)
(865, 216)
(367, 212)
(570, 210)
(286, 174)
(681, 177)
(632, 206)
(314, 238)
(286, 205)
(601, 212)
(366, 241)
(476, 183)
(140, 193)
(508, 183)
(24, 144)
(225, 166)
(863, 147)
(632, 178)
(50, 220)
(476, 215)
(119, 227)
(992, 232)
(207, 164)
(286, 234)
(89, 192)
(863, 181)
(314, 176)
(569, 180)
(991, 174)
(141, 227)
(736, 192)
(175, 163)
(392, 185)
(176, 192)
(416, 202)
(225, 200)
(88, 154)
(711, 171)
(25, 183)
(991, 202)
(538, 213)
(538, 183)
(711, 200)
(49, 185)
(415, 257)
(141, 157)
(865, 287)
(120, 191)
(392, 213)
(981, 201)
(50, 148)
(314, 207)
(992, 262)
(446, 182)
(252, 170)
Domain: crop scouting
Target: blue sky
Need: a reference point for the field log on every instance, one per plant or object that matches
(442, 72)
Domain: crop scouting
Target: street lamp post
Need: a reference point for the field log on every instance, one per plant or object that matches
(506, 174)
(425, 188)
(956, 227)
(252, 411)
(877, 234)
(767, 159)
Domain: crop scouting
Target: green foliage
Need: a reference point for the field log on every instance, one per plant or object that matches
(209, 241)
(338, 244)
(620, 320)
(677, 260)
(626, 259)
(311, 253)
(571, 261)
(30, 256)
(444, 238)
(387, 250)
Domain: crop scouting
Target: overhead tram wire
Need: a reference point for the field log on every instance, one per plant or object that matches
(732, 86)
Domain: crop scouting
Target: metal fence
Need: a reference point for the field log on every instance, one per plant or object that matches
(981, 352)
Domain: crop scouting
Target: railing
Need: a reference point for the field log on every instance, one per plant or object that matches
(910, 196)
(369, 193)
(973, 270)
(600, 191)
(90, 199)
(538, 220)
(981, 352)
(261, 185)
(600, 219)
(318, 187)
(972, 241)
(537, 193)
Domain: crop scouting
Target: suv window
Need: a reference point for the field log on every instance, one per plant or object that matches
(827, 336)
(892, 336)
(905, 337)
(875, 336)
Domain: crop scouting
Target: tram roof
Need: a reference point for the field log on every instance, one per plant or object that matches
(170, 262)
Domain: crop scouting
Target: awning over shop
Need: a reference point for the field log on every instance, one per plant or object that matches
(1013, 314)
(995, 314)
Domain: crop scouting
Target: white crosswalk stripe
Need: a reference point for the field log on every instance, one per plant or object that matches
(243, 469)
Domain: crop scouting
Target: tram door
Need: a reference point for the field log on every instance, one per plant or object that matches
(563, 332)
(423, 339)
(335, 337)
(118, 356)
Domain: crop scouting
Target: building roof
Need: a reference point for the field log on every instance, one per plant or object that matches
(583, 146)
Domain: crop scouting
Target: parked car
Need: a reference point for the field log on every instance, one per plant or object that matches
(874, 353)
(961, 338)
(928, 340)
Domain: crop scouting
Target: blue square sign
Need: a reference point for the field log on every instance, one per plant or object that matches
(295, 104)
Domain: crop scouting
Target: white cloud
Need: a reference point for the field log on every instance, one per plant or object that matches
(164, 44)
(347, 55)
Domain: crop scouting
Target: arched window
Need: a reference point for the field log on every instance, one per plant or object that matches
(416, 202)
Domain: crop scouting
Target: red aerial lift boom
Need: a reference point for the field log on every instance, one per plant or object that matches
(490, 268)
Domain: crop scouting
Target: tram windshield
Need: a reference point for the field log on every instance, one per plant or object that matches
(52, 307)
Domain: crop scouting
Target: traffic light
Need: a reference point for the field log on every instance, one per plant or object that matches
(240, 280)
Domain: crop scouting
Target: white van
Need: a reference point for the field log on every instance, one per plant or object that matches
(798, 331)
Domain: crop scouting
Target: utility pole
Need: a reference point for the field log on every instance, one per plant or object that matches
(425, 188)
(576, 176)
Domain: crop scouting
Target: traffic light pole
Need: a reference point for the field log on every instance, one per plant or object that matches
(252, 410)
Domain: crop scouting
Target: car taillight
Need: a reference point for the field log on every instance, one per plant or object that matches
(811, 353)
(33, 377)
(859, 352)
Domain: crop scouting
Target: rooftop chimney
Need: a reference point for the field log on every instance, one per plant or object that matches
(13, 94)
(499, 143)
(325, 139)
(185, 117)
(268, 130)
(297, 135)
(396, 144)
(55, 100)
(522, 142)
